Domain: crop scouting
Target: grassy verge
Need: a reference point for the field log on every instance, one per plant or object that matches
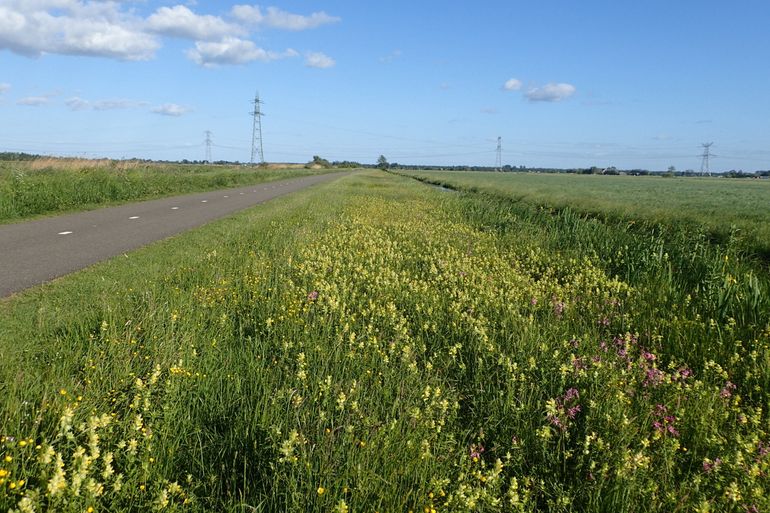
(378, 345)
(35, 188)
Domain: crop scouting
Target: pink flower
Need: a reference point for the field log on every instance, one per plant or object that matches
(476, 451)
(571, 394)
(579, 364)
(709, 466)
(653, 377)
(553, 419)
(572, 412)
(665, 422)
(727, 391)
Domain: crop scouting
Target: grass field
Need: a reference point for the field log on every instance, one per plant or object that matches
(720, 207)
(52, 186)
(375, 344)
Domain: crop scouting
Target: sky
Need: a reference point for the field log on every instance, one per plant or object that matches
(630, 84)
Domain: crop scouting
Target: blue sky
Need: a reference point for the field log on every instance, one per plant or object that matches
(564, 83)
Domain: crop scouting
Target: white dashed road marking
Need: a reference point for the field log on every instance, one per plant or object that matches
(227, 196)
(174, 208)
(64, 233)
(134, 217)
(204, 201)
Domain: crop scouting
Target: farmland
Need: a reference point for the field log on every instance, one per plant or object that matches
(51, 186)
(375, 344)
(721, 208)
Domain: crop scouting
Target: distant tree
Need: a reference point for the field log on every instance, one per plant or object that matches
(318, 161)
(382, 162)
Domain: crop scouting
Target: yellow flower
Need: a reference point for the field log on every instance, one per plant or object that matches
(8, 459)
(321, 490)
(62, 391)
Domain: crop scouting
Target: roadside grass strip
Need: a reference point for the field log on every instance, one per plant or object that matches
(374, 344)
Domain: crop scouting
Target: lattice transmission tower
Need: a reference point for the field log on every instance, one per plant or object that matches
(256, 132)
(704, 164)
(208, 146)
(499, 158)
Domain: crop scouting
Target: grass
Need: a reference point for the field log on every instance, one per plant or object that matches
(721, 208)
(52, 186)
(377, 345)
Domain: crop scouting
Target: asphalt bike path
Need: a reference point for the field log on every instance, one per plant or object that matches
(34, 252)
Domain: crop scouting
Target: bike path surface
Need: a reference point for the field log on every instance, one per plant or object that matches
(34, 252)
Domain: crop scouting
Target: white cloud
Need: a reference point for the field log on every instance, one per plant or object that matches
(318, 60)
(77, 103)
(179, 21)
(171, 109)
(4, 88)
(513, 84)
(73, 27)
(274, 17)
(550, 93)
(233, 50)
(118, 104)
(392, 56)
(33, 101)
(113, 29)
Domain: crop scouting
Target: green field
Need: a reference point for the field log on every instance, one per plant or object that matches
(719, 206)
(376, 344)
(51, 186)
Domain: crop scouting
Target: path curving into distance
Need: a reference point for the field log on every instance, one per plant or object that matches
(34, 252)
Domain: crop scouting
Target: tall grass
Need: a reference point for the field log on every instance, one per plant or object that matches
(49, 186)
(376, 345)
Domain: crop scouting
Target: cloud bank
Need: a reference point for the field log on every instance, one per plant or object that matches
(551, 92)
(233, 50)
(512, 84)
(318, 60)
(111, 29)
(33, 101)
(276, 18)
(77, 103)
(171, 109)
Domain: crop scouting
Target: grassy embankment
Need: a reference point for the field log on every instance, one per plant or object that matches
(378, 345)
(51, 186)
(722, 209)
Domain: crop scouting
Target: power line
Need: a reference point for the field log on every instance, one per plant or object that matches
(256, 131)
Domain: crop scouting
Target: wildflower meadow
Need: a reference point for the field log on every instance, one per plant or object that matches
(376, 344)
